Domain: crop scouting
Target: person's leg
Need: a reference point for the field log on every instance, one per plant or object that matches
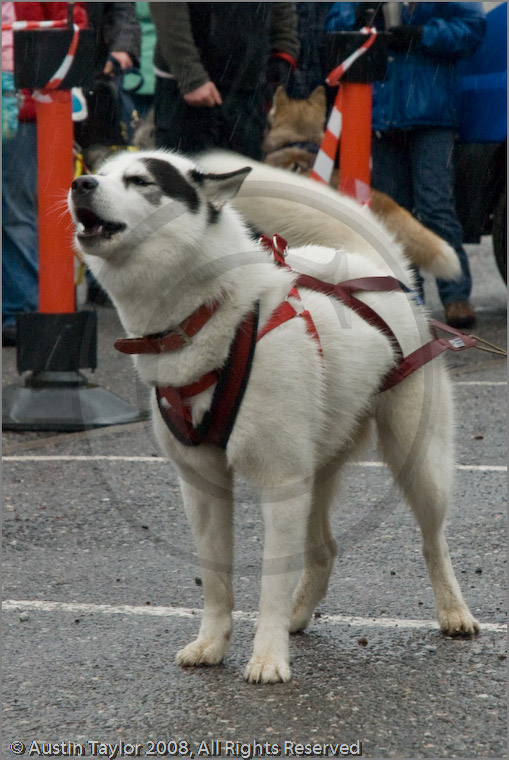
(236, 125)
(391, 167)
(433, 189)
(391, 174)
(242, 124)
(20, 281)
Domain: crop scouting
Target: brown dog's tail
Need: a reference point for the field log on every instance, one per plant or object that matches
(424, 249)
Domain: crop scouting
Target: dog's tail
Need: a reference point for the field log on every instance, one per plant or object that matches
(424, 249)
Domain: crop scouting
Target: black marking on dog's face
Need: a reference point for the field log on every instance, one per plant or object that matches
(172, 183)
(212, 213)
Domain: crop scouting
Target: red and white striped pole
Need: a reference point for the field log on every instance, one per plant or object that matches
(57, 341)
(54, 177)
(355, 103)
(55, 136)
(349, 127)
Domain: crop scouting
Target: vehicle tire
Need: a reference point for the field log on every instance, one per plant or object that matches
(500, 233)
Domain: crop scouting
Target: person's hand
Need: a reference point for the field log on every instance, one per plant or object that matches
(123, 59)
(205, 95)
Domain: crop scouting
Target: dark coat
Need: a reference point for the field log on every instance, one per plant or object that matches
(226, 43)
(117, 30)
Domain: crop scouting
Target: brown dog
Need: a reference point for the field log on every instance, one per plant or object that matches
(293, 138)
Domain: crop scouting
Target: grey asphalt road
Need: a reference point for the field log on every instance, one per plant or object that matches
(101, 587)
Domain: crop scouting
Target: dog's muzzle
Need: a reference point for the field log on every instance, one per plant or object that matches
(91, 226)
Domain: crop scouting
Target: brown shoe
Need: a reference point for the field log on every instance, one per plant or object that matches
(460, 314)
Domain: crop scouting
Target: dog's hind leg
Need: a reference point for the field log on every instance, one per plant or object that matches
(209, 509)
(415, 437)
(286, 518)
(320, 554)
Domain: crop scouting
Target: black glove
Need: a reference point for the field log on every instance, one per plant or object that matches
(404, 38)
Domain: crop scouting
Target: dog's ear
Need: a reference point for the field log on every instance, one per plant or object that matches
(278, 101)
(220, 188)
(318, 96)
(280, 97)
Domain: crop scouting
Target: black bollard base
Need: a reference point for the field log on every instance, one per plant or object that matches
(63, 402)
(55, 396)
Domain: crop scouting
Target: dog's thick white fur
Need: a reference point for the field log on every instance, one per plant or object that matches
(329, 221)
(163, 239)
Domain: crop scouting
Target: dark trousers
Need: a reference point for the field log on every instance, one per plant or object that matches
(20, 268)
(237, 124)
(415, 167)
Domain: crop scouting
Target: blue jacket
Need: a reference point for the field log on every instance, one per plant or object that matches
(422, 87)
(483, 84)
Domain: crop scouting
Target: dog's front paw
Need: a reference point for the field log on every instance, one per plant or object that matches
(458, 622)
(201, 652)
(267, 670)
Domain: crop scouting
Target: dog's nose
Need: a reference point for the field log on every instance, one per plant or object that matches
(84, 185)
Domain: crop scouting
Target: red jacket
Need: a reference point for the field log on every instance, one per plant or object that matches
(43, 12)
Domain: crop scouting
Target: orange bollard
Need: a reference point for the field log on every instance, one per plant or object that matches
(57, 341)
(355, 104)
(54, 176)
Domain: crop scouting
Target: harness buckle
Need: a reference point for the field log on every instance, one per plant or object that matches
(280, 245)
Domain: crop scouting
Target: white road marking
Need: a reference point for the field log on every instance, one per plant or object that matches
(80, 458)
(489, 383)
(158, 460)
(468, 467)
(24, 605)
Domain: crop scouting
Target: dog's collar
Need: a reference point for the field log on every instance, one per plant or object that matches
(177, 337)
(310, 147)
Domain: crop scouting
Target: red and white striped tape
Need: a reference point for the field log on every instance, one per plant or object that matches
(324, 162)
(336, 74)
(17, 26)
(66, 64)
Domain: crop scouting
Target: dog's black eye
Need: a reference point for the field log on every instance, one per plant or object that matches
(138, 181)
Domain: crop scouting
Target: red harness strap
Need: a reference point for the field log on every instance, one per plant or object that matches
(277, 245)
(429, 351)
(406, 364)
(173, 339)
(344, 291)
(231, 380)
(286, 311)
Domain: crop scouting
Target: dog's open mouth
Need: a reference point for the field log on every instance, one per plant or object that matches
(90, 225)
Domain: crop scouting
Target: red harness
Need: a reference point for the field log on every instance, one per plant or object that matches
(231, 379)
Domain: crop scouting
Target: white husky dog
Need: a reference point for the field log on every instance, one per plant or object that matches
(181, 267)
